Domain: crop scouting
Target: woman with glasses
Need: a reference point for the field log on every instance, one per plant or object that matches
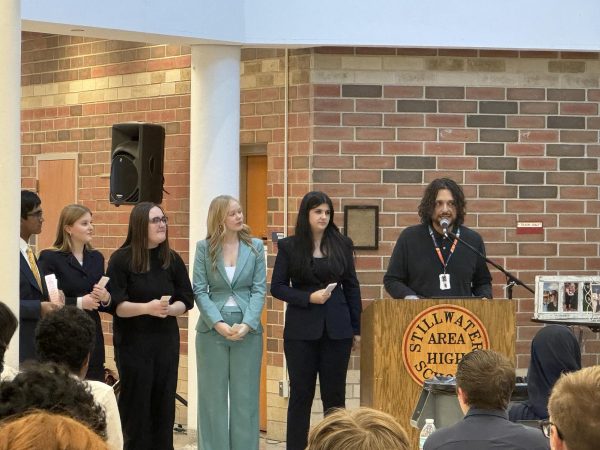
(78, 269)
(229, 286)
(150, 287)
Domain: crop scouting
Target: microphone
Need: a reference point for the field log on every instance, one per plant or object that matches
(445, 223)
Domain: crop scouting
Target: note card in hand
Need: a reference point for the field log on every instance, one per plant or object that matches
(103, 282)
(52, 285)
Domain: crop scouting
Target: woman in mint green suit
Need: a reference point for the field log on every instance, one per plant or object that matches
(229, 289)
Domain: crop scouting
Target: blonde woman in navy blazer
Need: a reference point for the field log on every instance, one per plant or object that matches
(229, 288)
(78, 268)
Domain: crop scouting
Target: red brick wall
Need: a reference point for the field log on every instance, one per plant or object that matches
(73, 91)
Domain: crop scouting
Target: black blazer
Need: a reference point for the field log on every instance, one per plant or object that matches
(77, 280)
(340, 315)
(30, 309)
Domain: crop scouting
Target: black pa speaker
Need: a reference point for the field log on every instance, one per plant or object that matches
(137, 160)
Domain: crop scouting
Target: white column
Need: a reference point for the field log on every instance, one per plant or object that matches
(214, 157)
(10, 165)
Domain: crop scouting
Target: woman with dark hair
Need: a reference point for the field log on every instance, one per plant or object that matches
(321, 325)
(150, 287)
(554, 351)
(229, 285)
(78, 269)
(8, 326)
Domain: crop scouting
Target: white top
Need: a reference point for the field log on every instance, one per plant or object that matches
(105, 397)
(8, 373)
(230, 273)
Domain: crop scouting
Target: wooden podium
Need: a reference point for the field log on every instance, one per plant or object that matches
(406, 341)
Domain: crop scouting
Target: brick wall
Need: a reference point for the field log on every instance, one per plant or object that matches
(519, 130)
(73, 90)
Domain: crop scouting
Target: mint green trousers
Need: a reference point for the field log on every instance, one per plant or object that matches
(228, 387)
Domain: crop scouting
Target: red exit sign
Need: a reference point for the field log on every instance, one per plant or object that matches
(530, 227)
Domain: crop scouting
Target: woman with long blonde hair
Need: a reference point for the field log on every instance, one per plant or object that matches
(78, 269)
(229, 289)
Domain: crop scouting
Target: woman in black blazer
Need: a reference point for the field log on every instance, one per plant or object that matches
(78, 268)
(321, 326)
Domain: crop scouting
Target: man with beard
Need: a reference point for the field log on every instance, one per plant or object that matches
(427, 263)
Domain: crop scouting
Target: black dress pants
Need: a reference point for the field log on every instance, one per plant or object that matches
(326, 357)
(148, 372)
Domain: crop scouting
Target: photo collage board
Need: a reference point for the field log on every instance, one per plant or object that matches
(567, 297)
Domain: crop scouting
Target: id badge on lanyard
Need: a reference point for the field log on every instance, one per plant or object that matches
(444, 277)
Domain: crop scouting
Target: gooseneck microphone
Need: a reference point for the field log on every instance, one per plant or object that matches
(445, 223)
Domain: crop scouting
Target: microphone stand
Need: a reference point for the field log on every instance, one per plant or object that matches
(511, 280)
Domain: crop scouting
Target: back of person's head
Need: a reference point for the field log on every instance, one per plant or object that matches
(486, 378)
(554, 351)
(51, 387)
(8, 326)
(40, 430)
(574, 408)
(29, 201)
(359, 429)
(66, 337)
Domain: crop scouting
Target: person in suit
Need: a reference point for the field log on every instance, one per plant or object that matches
(150, 287)
(33, 294)
(229, 288)
(321, 328)
(78, 268)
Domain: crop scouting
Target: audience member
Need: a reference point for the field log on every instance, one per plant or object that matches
(574, 407)
(8, 326)
(67, 337)
(41, 430)
(33, 293)
(554, 351)
(485, 380)
(359, 429)
(50, 387)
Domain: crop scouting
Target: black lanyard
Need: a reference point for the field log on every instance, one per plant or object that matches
(439, 252)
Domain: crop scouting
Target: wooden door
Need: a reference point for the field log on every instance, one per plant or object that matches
(57, 187)
(254, 200)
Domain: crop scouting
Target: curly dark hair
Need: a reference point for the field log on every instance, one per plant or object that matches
(427, 205)
(66, 336)
(8, 326)
(51, 387)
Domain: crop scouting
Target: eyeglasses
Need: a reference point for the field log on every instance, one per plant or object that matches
(546, 427)
(37, 214)
(157, 220)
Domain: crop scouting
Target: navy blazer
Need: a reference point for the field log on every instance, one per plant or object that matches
(339, 315)
(30, 297)
(76, 280)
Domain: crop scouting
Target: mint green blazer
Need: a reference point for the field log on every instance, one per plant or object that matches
(248, 287)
